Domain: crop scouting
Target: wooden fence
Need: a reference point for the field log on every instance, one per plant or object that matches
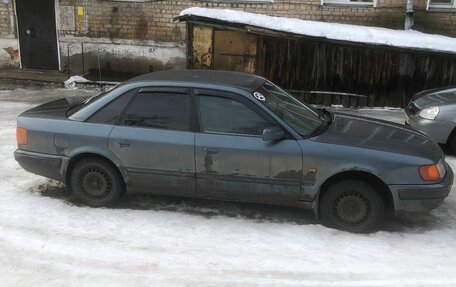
(386, 76)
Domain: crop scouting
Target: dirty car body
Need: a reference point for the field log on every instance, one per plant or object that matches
(230, 136)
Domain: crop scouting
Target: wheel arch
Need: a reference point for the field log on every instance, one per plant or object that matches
(78, 157)
(365, 176)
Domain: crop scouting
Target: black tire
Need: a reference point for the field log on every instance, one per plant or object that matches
(353, 206)
(95, 182)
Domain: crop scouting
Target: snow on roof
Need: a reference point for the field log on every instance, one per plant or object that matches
(335, 31)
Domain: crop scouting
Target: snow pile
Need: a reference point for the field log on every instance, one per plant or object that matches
(71, 82)
(343, 32)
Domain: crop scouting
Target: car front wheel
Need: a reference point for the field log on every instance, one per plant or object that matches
(95, 182)
(353, 206)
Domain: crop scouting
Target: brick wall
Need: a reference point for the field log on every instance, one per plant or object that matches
(439, 22)
(154, 19)
(6, 12)
(148, 26)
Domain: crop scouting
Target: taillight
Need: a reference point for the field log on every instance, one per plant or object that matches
(430, 172)
(21, 136)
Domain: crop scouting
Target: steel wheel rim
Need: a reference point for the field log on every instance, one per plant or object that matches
(352, 208)
(96, 183)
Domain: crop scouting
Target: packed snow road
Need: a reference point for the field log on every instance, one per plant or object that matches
(48, 239)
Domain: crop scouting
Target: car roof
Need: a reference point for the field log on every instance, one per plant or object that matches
(214, 77)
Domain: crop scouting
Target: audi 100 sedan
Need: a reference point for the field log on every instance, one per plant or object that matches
(232, 136)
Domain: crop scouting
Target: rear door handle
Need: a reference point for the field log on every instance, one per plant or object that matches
(210, 151)
(124, 143)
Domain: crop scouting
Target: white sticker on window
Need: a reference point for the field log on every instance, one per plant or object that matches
(259, 96)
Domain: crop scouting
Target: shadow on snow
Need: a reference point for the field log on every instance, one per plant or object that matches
(419, 222)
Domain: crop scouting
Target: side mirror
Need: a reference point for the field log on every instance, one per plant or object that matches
(273, 134)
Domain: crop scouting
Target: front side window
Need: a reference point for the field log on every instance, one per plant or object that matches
(158, 110)
(227, 116)
(303, 119)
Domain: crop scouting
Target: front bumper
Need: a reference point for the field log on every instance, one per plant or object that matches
(439, 131)
(50, 166)
(422, 196)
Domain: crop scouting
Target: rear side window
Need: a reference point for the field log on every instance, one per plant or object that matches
(159, 110)
(111, 113)
(223, 115)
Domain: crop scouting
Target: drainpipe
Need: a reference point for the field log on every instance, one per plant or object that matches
(409, 21)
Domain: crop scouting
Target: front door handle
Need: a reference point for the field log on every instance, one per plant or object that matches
(210, 151)
(124, 143)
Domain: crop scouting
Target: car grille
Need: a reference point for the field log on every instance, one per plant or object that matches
(413, 108)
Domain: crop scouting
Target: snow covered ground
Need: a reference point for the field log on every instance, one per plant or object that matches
(47, 239)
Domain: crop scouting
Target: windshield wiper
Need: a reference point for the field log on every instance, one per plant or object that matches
(327, 118)
(327, 115)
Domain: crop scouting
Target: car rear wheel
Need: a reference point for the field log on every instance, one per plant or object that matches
(353, 206)
(95, 182)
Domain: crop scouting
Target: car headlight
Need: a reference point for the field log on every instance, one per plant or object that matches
(429, 113)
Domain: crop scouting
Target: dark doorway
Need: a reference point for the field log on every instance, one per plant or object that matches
(37, 34)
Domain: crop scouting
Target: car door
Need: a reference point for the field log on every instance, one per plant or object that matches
(154, 142)
(232, 160)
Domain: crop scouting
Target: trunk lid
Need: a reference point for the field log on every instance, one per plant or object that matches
(54, 109)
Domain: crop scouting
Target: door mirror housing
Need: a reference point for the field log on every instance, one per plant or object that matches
(273, 134)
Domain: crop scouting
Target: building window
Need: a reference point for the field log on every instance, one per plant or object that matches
(239, 1)
(441, 4)
(141, 1)
(351, 3)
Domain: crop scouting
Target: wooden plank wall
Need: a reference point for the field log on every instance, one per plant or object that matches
(389, 77)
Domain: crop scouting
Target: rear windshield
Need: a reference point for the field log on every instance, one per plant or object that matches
(302, 118)
(85, 103)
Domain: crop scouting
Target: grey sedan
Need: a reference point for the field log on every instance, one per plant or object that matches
(232, 136)
(434, 113)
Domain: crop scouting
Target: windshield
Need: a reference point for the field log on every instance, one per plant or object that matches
(302, 118)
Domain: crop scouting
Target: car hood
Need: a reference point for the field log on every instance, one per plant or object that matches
(54, 109)
(373, 134)
(436, 97)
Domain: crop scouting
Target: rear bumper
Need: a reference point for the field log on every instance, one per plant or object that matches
(422, 196)
(50, 166)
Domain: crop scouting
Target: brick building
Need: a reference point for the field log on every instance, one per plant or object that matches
(138, 36)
